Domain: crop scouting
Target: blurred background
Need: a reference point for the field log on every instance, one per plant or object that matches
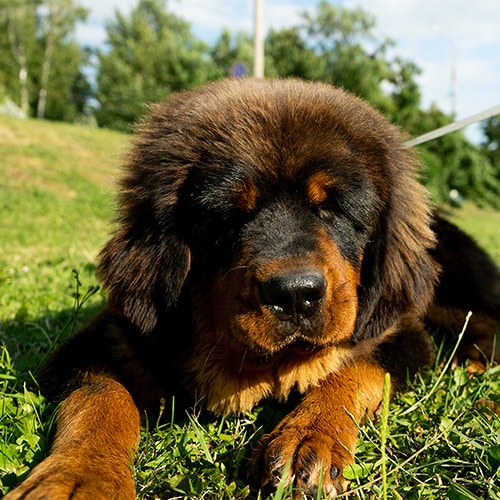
(423, 64)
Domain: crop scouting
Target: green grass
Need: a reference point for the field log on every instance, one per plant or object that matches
(483, 225)
(56, 185)
(439, 440)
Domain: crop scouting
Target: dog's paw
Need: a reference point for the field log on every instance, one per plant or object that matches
(60, 478)
(308, 456)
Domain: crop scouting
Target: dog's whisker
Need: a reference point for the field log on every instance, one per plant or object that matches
(233, 269)
(243, 360)
(216, 344)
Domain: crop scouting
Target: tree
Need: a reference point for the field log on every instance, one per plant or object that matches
(285, 50)
(56, 22)
(491, 143)
(69, 96)
(18, 25)
(288, 56)
(40, 61)
(338, 45)
(229, 50)
(351, 55)
(149, 55)
(453, 164)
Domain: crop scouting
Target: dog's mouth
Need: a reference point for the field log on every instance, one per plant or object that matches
(296, 345)
(299, 345)
(290, 337)
(280, 309)
(264, 331)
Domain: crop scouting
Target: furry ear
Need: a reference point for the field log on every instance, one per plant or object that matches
(144, 265)
(144, 274)
(398, 273)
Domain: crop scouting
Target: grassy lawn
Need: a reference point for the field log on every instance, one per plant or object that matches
(439, 440)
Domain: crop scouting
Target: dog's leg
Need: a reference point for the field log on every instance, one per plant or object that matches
(481, 342)
(318, 439)
(315, 442)
(469, 281)
(96, 437)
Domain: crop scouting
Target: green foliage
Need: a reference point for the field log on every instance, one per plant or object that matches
(454, 163)
(152, 53)
(443, 440)
(18, 44)
(287, 55)
(352, 57)
(149, 55)
(491, 144)
(341, 35)
(228, 50)
(21, 425)
(207, 459)
(41, 66)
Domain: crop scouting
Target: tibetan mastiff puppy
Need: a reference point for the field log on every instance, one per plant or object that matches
(272, 239)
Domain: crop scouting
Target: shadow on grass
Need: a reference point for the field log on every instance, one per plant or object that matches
(26, 418)
(30, 342)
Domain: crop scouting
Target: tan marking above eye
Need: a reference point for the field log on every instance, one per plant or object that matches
(245, 196)
(318, 187)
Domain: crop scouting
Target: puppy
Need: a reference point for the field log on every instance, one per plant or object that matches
(272, 239)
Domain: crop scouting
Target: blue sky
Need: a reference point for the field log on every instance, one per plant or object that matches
(438, 35)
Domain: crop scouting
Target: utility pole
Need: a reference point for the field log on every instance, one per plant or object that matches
(453, 68)
(258, 41)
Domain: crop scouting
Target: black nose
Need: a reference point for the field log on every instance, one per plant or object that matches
(294, 295)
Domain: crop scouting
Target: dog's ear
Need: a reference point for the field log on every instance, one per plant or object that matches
(145, 264)
(143, 271)
(398, 273)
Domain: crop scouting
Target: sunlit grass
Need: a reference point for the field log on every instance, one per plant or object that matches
(55, 206)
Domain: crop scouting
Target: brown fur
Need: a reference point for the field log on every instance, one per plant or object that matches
(272, 238)
(97, 433)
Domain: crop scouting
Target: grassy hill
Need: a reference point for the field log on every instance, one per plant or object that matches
(55, 187)
(56, 203)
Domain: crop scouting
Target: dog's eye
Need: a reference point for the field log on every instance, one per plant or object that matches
(329, 208)
(328, 195)
(342, 199)
(351, 210)
(324, 196)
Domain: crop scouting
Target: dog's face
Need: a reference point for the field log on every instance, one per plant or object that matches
(287, 212)
(277, 235)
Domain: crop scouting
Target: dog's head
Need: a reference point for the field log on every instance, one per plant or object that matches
(287, 212)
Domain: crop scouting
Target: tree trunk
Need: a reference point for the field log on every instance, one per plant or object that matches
(44, 77)
(19, 53)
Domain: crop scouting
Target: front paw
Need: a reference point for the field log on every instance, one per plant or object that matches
(61, 478)
(310, 457)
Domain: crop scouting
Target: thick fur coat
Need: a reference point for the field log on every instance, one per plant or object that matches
(272, 238)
